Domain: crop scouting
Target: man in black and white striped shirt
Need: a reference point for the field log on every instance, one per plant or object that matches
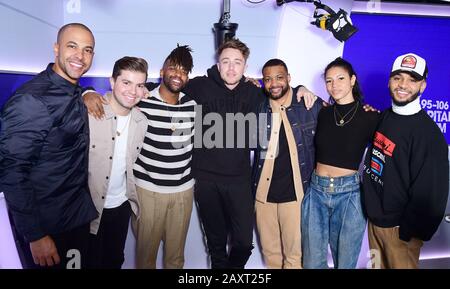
(163, 168)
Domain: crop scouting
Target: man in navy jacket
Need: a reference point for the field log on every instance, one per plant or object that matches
(284, 162)
(43, 157)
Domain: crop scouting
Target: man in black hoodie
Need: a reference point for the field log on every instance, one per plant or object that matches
(221, 162)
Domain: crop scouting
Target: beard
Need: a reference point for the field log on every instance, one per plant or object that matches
(170, 87)
(283, 92)
(405, 102)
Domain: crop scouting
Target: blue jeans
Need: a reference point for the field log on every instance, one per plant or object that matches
(332, 213)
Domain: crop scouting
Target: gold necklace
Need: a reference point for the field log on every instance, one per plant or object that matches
(119, 132)
(176, 124)
(174, 127)
(342, 120)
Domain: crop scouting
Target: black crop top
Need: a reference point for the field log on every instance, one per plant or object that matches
(343, 146)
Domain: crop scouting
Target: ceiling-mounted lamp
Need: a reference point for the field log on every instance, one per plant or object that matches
(339, 23)
(224, 30)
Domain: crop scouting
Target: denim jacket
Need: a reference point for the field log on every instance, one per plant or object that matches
(303, 123)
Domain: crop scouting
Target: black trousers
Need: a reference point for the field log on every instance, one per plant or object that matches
(226, 211)
(77, 238)
(107, 247)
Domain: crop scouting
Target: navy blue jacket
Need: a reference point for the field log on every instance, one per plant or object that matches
(303, 123)
(44, 143)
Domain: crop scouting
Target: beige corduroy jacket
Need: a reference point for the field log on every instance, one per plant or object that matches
(101, 150)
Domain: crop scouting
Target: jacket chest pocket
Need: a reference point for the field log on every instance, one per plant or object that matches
(308, 132)
(69, 129)
(100, 159)
(65, 137)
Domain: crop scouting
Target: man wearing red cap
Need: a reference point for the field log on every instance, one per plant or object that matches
(406, 172)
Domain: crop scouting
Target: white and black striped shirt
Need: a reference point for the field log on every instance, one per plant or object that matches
(164, 164)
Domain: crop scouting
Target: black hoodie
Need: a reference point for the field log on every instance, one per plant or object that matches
(221, 160)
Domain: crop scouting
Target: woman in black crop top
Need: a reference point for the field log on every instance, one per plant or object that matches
(331, 209)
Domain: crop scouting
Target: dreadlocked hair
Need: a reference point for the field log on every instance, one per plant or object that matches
(181, 56)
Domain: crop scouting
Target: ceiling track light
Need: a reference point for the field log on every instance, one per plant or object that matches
(338, 23)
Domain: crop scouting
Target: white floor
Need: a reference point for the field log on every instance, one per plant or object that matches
(434, 254)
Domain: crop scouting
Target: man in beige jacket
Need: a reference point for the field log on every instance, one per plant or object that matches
(163, 169)
(115, 143)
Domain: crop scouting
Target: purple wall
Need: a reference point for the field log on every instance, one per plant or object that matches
(381, 38)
